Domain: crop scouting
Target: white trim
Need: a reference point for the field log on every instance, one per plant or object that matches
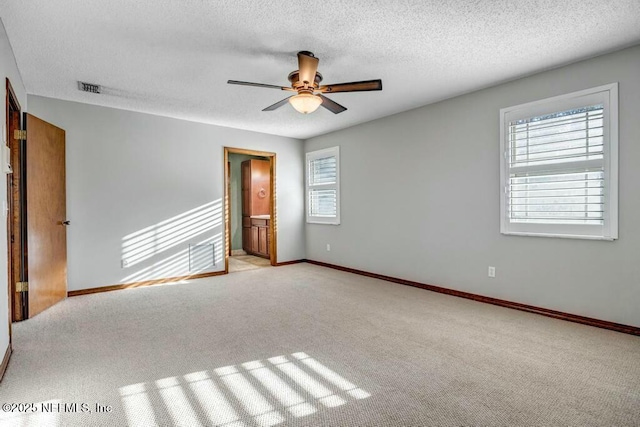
(606, 94)
(541, 106)
(503, 171)
(326, 152)
(612, 167)
(560, 236)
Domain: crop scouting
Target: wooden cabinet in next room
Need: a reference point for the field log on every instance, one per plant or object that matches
(256, 180)
(256, 236)
(256, 207)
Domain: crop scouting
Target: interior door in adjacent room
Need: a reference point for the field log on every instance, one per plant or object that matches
(46, 221)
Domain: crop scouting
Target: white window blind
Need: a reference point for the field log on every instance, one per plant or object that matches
(558, 170)
(323, 202)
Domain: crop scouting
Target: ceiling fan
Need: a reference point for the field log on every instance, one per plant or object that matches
(306, 82)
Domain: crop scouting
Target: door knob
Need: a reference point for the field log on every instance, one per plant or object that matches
(66, 222)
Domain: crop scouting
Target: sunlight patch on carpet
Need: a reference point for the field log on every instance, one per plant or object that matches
(262, 392)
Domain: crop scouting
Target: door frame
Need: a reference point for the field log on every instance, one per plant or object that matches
(12, 107)
(273, 229)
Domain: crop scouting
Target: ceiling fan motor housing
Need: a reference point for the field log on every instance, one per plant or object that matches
(294, 78)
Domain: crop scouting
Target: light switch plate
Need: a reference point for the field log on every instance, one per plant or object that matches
(5, 159)
(492, 271)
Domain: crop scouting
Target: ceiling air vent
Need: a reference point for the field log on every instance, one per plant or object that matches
(88, 87)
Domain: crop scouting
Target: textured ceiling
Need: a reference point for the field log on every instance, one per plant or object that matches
(173, 57)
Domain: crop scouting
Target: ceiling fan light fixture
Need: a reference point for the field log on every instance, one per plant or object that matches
(310, 94)
(305, 103)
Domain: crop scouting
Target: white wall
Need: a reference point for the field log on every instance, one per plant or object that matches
(8, 68)
(131, 173)
(420, 201)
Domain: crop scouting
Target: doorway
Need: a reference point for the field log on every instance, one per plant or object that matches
(36, 240)
(250, 209)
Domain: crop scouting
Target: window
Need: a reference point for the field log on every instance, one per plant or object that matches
(559, 166)
(323, 186)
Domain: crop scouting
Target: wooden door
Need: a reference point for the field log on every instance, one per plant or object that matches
(46, 214)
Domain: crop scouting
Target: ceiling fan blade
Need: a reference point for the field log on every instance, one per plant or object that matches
(277, 104)
(352, 87)
(332, 106)
(236, 82)
(307, 67)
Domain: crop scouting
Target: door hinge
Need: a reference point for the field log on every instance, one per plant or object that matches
(20, 134)
(22, 286)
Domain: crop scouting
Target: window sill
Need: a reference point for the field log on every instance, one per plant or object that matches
(310, 221)
(560, 236)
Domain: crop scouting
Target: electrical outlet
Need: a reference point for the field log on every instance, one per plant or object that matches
(328, 247)
(492, 271)
(125, 263)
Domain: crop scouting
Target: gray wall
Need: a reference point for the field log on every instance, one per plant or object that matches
(143, 187)
(8, 68)
(420, 201)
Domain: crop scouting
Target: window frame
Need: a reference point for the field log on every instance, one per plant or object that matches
(318, 154)
(608, 96)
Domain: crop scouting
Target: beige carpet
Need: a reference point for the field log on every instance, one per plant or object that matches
(304, 345)
(247, 262)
